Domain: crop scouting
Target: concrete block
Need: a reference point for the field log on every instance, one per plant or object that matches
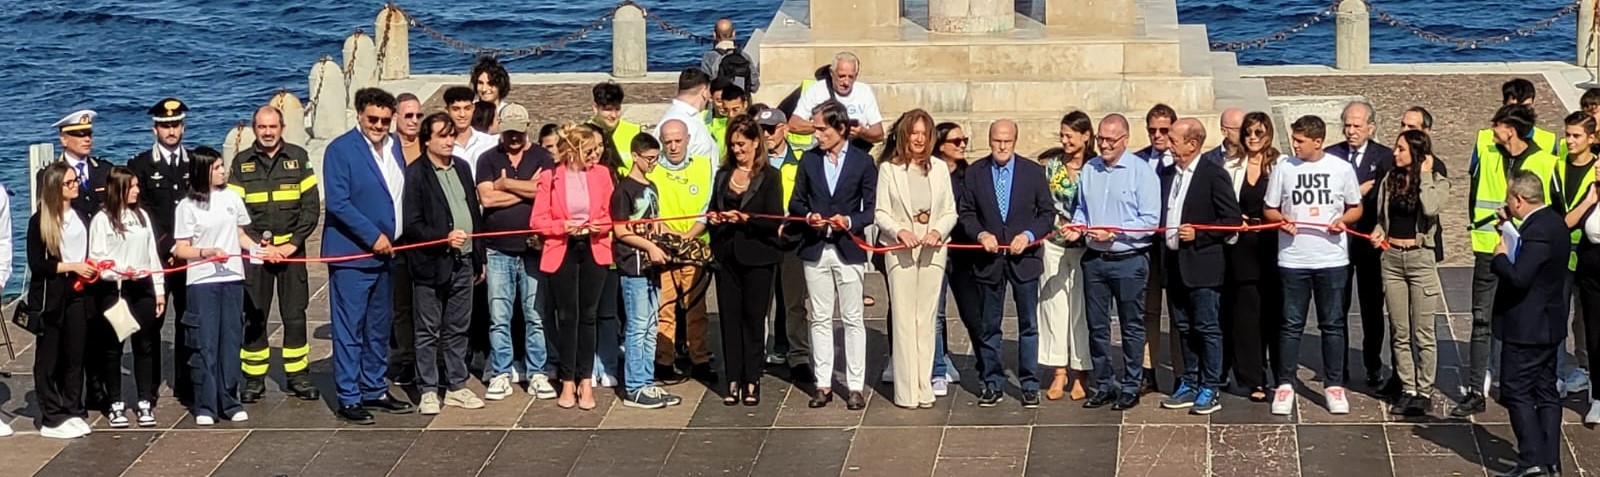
(1182, 93)
(294, 117)
(1102, 17)
(328, 99)
(853, 19)
(971, 16)
(628, 46)
(360, 60)
(240, 137)
(1155, 57)
(393, 33)
(1352, 38)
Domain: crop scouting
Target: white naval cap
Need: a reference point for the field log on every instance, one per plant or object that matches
(79, 120)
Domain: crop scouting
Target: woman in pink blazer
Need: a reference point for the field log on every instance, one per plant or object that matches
(572, 213)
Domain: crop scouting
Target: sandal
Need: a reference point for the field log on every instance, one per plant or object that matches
(752, 395)
(733, 395)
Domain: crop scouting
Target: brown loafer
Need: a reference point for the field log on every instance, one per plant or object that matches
(856, 402)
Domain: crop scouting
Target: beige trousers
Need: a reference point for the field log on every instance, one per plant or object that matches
(915, 277)
(1063, 327)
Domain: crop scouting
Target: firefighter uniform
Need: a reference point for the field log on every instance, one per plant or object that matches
(280, 191)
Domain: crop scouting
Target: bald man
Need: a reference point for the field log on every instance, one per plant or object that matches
(712, 61)
(683, 185)
(1231, 147)
(1007, 207)
(1195, 192)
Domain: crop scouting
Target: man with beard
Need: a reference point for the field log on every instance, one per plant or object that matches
(163, 172)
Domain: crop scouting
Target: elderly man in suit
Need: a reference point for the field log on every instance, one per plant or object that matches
(1007, 199)
(1195, 192)
(1372, 161)
(364, 178)
(1530, 318)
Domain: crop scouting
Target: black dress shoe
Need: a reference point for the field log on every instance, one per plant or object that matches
(856, 401)
(1401, 404)
(990, 397)
(355, 415)
(821, 398)
(1099, 399)
(1126, 402)
(1030, 399)
(1472, 404)
(390, 405)
(1420, 406)
(1527, 471)
(703, 372)
(1374, 378)
(801, 373)
(252, 390)
(1148, 385)
(667, 373)
(1391, 388)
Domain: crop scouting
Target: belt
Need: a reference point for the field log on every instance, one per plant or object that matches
(1404, 248)
(1116, 256)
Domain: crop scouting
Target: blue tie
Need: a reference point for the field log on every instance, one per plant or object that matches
(1003, 193)
(83, 175)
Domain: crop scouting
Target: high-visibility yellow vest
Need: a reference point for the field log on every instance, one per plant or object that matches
(622, 137)
(788, 171)
(1491, 181)
(1573, 197)
(719, 131)
(683, 192)
(1548, 141)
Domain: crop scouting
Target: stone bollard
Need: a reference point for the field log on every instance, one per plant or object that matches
(1352, 39)
(393, 31)
(971, 16)
(327, 99)
(1588, 35)
(360, 63)
(240, 137)
(628, 59)
(39, 155)
(294, 117)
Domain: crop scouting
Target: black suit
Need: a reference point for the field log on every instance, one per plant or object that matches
(747, 254)
(1195, 270)
(1366, 268)
(1214, 156)
(1530, 318)
(1030, 211)
(92, 194)
(162, 184)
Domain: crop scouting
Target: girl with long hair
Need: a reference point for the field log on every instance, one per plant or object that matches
(123, 233)
(747, 254)
(1253, 311)
(1408, 215)
(58, 246)
(1063, 328)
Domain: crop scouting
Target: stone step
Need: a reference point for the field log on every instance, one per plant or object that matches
(1114, 93)
(979, 58)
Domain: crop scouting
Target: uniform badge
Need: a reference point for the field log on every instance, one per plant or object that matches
(156, 177)
(290, 165)
(694, 189)
(247, 167)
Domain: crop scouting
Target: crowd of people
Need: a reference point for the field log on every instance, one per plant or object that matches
(604, 237)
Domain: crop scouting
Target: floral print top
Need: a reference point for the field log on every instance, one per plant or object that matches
(1064, 192)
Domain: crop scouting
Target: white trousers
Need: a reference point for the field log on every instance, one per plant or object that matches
(830, 282)
(915, 277)
(1063, 327)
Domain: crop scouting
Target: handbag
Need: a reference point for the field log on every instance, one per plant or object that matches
(26, 316)
(121, 318)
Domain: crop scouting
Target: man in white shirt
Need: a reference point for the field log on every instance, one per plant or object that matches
(1316, 196)
(694, 90)
(861, 104)
(470, 143)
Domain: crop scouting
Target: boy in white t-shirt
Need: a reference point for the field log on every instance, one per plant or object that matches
(1317, 196)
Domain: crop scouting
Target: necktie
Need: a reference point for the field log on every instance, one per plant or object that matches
(1002, 192)
(1174, 212)
(83, 175)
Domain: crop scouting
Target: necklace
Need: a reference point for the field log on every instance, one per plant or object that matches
(736, 185)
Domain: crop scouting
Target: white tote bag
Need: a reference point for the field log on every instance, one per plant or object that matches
(121, 319)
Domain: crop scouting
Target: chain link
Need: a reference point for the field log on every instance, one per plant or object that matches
(1391, 20)
(512, 53)
(1279, 35)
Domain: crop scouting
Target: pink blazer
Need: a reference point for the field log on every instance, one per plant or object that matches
(550, 215)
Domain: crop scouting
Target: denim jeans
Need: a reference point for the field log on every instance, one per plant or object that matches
(1119, 282)
(1300, 287)
(510, 281)
(941, 360)
(1195, 315)
(641, 297)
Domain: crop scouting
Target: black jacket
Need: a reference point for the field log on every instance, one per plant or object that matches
(48, 291)
(425, 215)
(755, 242)
(89, 198)
(161, 187)
(1032, 210)
(1211, 201)
(1530, 307)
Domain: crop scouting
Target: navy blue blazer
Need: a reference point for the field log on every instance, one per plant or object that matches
(855, 197)
(1032, 210)
(1375, 163)
(358, 205)
(1530, 307)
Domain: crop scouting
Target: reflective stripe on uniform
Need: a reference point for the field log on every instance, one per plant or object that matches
(281, 239)
(285, 196)
(307, 183)
(256, 198)
(294, 359)
(254, 363)
(236, 189)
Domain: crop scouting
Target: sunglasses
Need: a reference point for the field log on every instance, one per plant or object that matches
(1161, 131)
(85, 133)
(1256, 133)
(412, 115)
(380, 121)
(957, 141)
(769, 129)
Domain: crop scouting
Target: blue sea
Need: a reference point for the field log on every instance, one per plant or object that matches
(224, 57)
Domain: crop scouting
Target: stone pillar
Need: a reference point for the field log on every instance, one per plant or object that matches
(393, 32)
(240, 137)
(1091, 16)
(361, 61)
(39, 155)
(1352, 41)
(971, 16)
(628, 58)
(1588, 41)
(328, 99)
(294, 117)
(854, 19)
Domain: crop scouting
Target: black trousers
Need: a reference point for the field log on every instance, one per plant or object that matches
(1528, 391)
(743, 293)
(1586, 283)
(576, 287)
(103, 364)
(177, 302)
(1252, 314)
(1366, 268)
(402, 336)
(289, 280)
(58, 363)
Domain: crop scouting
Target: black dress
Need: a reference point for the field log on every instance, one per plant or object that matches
(1253, 309)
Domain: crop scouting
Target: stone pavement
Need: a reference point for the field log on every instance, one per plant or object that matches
(520, 436)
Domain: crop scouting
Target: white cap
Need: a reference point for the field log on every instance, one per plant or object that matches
(77, 121)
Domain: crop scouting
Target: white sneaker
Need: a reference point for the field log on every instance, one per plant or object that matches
(539, 387)
(776, 359)
(888, 372)
(1283, 400)
(463, 398)
(1593, 417)
(1577, 381)
(64, 431)
(240, 416)
(429, 405)
(941, 387)
(1338, 402)
(499, 388)
(118, 415)
(203, 420)
(606, 381)
(81, 425)
(5, 429)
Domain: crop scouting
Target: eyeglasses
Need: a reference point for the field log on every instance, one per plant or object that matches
(652, 158)
(1155, 131)
(382, 121)
(412, 115)
(957, 141)
(1256, 133)
(69, 182)
(1110, 140)
(84, 133)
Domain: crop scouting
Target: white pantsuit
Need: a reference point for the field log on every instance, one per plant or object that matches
(914, 201)
(1063, 328)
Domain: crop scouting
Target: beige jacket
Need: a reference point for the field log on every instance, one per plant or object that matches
(1434, 191)
(893, 214)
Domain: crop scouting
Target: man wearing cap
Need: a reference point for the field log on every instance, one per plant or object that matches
(163, 172)
(507, 181)
(77, 144)
(280, 191)
(791, 328)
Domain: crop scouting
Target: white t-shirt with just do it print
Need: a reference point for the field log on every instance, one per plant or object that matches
(1313, 192)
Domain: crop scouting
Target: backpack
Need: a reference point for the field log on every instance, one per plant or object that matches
(736, 67)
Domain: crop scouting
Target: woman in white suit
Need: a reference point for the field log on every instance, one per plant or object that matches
(916, 210)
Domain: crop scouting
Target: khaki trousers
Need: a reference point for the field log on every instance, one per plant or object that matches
(915, 276)
(678, 287)
(1411, 293)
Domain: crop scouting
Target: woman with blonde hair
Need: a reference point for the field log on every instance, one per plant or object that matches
(58, 244)
(915, 210)
(572, 212)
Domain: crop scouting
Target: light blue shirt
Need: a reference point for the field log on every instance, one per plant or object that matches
(833, 166)
(1119, 196)
(1006, 174)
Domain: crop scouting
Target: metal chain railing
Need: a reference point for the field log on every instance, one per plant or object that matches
(510, 53)
(1391, 20)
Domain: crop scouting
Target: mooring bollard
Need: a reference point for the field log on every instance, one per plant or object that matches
(294, 117)
(327, 87)
(360, 62)
(1352, 38)
(240, 137)
(392, 31)
(628, 58)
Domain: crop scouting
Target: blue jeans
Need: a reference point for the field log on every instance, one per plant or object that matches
(1195, 314)
(941, 360)
(1026, 296)
(215, 316)
(1121, 282)
(1300, 286)
(641, 298)
(510, 281)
